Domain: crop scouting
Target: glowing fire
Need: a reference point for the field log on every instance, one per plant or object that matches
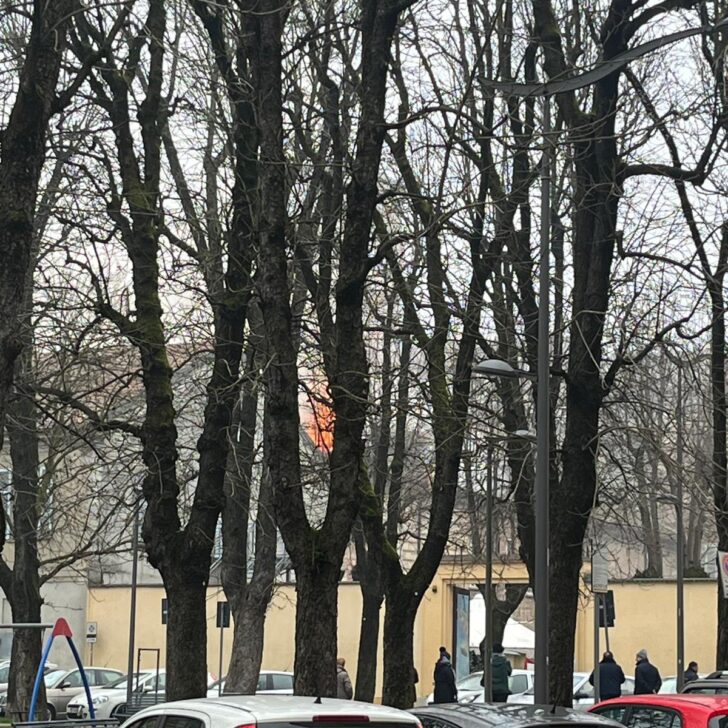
(320, 424)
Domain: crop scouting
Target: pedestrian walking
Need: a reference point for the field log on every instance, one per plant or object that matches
(415, 680)
(344, 691)
(611, 677)
(647, 680)
(691, 673)
(500, 671)
(445, 689)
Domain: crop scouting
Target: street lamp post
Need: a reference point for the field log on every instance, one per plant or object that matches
(680, 537)
(546, 91)
(488, 602)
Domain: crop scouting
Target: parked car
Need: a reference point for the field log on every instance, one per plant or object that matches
(471, 691)
(276, 711)
(666, 711)
(110, 701)
(270, 682)
(5, 673)
(62, 685)
(706, 687)
(583, 692)
(486, 715)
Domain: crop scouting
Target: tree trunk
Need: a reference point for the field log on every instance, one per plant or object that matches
(366, 668)
(720, 461)
(21, 161)
(316, 629)
(250, 615)
(186, 633)
(250, 605)
(22, 584)
(25, 657)
(399, 626)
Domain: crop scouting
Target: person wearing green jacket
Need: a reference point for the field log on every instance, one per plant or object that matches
(500, 670)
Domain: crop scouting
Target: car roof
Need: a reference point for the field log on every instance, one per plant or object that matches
(708, 682)
(510, 715)
(705, 704)
(282, 708)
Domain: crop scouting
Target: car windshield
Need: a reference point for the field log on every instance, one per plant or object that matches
(120, 684)
(4, 673)
(53, 677)
(471, 682)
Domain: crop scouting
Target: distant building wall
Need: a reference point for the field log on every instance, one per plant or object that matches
(645, 618)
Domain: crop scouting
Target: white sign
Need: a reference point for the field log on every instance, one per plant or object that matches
(599, 574)
(723, 568)
(92, 632)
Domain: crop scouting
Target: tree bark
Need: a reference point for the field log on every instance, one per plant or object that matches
(22, 157)
(186, 633)
(719, 470)
(399, 625)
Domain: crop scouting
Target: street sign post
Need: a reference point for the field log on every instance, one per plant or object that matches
(223, 621)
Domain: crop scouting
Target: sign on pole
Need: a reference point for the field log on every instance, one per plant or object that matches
(223, 615)
(606, 610)
(92, 632)
(723, 568)
(599, 574)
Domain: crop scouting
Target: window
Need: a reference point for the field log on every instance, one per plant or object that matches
(429, 722)
(585, 690)
(262, 682)
(472, 682)
(518, 684)
(282, 682)
(107, 676)
(615, 712)
(181, 721)
(649, 717)
(73, 680)
(150, 722)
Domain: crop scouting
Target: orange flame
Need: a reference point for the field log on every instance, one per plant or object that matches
(320, 426)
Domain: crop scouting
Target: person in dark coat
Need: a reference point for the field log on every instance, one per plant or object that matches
(691, 673)
(611, 678)
(647, 680)
(445, 690)
(500, 671)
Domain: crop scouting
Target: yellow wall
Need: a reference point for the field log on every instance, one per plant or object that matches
(109, 607)
(644, 619)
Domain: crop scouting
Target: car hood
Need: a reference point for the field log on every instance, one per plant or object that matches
(95, 692)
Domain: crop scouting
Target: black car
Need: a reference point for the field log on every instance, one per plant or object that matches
(506, 715)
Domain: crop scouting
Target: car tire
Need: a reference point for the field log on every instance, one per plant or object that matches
(118, 710)
(51, 712)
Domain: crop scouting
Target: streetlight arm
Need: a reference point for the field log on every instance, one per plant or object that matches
(602, 69)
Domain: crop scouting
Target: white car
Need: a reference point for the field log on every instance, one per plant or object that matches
(279, 711)
(270, 682)
(110, 701)
(471, 691)
(583, 692)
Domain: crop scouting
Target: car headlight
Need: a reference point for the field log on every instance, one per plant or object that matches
(99, 699)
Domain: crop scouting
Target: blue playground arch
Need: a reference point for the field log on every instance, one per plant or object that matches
(60, 629)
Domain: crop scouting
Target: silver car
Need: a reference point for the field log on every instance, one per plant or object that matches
(583, 692)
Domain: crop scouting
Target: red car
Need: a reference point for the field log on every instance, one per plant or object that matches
(667, 711)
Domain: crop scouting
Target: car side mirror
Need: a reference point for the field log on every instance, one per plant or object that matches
(581, 696)
(65, 685)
